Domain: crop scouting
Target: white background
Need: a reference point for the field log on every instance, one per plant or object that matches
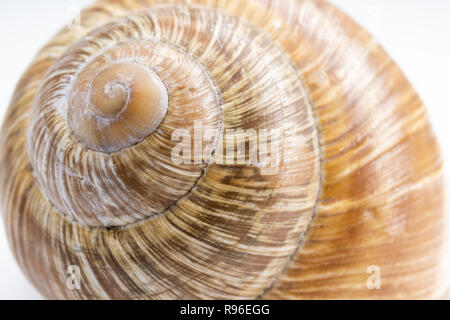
(414, 32)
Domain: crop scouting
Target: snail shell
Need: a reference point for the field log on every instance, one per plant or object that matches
(88, 179)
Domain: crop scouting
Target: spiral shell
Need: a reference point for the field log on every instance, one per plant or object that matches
(88, 176)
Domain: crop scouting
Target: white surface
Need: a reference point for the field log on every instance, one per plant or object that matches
(414, 32)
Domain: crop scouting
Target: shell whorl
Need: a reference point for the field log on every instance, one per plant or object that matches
(117, 106)
(89, 179)
(141, 180)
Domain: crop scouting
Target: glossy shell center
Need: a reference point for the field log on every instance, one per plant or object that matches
(118, 106)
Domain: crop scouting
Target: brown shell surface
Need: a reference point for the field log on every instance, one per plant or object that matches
(359, 184)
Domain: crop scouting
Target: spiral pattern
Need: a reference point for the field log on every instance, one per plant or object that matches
(88, 176)
(104, 189)
(126, 102)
